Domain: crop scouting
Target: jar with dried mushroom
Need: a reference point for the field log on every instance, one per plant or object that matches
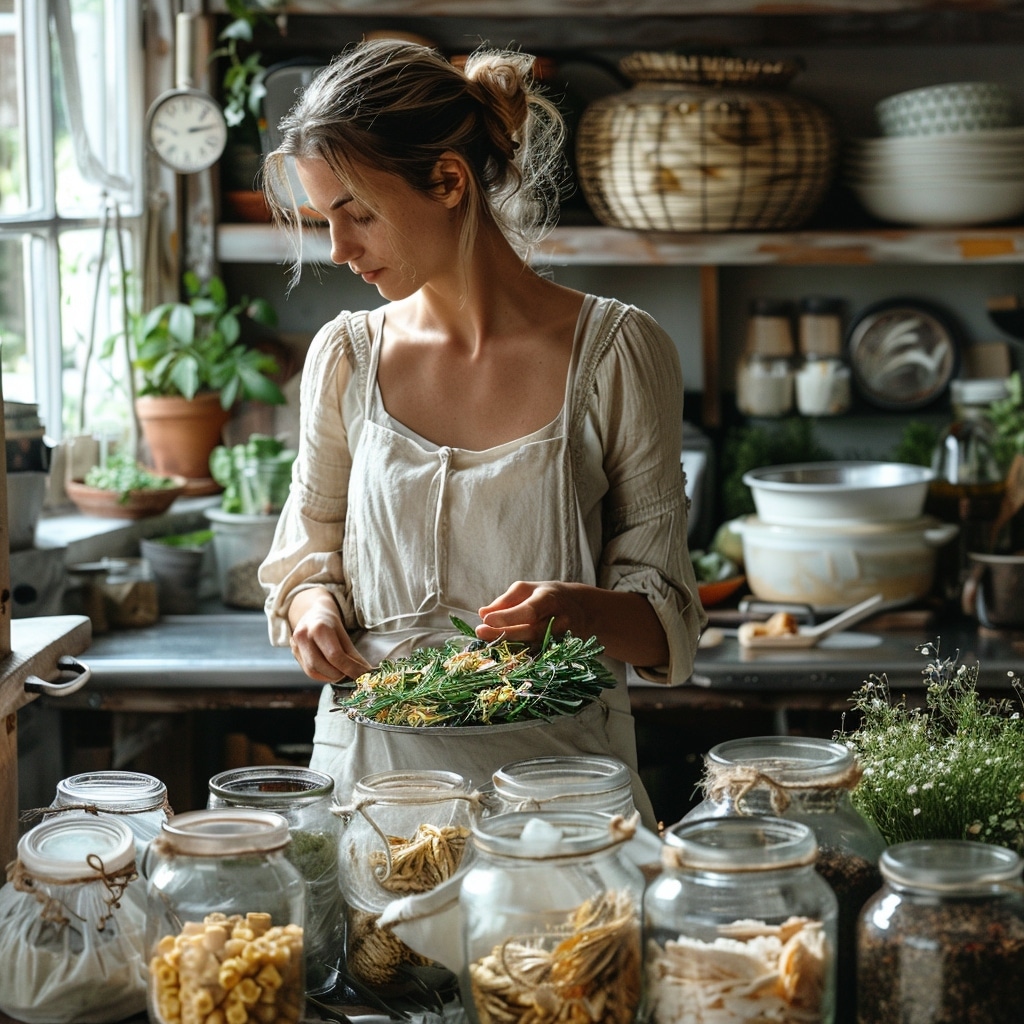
(739, 927)
(810, 780)
(302, 796)
(226, 917)
(405, 832)
(551, 918)
(943, 939)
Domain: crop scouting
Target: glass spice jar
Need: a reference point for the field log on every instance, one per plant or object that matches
(140, 799)
(764, 377)
(823, 377)
(573, 782)
(551, 917)
(226, 915)
(303, 797)
(72, 923)
(810, 780)
(942, 942)
(739, 925)
(405, 832)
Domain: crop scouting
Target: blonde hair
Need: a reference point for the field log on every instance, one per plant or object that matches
(397, 107)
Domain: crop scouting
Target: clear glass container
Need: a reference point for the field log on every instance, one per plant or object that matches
(943, 940)
(969, 483)
(405, 832)
(551, 912)
(73, 916)
(739, 921)
(764, 377)
(139, 799)
(823, 375)
(581, 783)
(805, 779)
(226, 918)
(303, 797)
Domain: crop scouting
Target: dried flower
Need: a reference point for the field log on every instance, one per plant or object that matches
(951, 770)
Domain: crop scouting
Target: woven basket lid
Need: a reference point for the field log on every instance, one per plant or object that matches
(708, 69)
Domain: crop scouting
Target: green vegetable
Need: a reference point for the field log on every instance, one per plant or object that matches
(122, 474)
(481, 683)
(1007, 416)
(917, 444)
(728, 541)
(711, 566)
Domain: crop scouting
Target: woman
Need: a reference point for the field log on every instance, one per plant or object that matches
(487, 443)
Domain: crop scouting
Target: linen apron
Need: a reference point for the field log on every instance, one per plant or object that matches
(433, 531)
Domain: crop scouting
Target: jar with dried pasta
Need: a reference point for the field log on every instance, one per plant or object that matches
(739, 920)
(226, 916)
(303, 797)
(404, 833)
(551, 918)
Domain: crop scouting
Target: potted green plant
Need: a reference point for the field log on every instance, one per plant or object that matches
(194, 368)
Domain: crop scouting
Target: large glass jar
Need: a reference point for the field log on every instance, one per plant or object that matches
(572, 782)
(805, 779)
(551, 914)
(303, 797)
(72, 924)
(226, 914)
(943, 940)
(140, 799)
(739, 922)
(405, 832)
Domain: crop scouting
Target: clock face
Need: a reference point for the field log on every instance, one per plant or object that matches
(187, 131)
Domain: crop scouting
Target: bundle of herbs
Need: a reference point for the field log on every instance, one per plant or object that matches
(951, 770)
(478, 683)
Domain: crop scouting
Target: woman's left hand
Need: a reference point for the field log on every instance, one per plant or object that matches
(524, 611)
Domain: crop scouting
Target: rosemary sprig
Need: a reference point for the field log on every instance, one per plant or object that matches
(480, 683)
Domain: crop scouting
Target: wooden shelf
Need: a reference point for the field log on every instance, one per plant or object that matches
(594, 246)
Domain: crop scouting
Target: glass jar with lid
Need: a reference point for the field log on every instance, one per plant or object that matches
(764, 378)
(551, 918)
(823, 375)
(226, 917)
(571, 782)
(73, 922)
(140, 799)
(943, 940)
(810, 780)
(404, 833)
(739, 920)
(303, 797)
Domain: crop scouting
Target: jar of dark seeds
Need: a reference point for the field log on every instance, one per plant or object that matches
(810, 780)
(302, 796)
(551, 917)
(943, 940)
(739, 927)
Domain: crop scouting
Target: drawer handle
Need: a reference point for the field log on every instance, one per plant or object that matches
(66, 664)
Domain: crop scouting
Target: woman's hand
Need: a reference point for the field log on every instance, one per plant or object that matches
(320, 642)
(624, 623)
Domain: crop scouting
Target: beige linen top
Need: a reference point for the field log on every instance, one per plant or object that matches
(623, 506)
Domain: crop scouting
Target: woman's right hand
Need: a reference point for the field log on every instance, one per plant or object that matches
(320, 642)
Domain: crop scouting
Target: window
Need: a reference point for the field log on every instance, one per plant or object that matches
(71, 205)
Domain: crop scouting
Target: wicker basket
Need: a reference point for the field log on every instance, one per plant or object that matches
(675, 154)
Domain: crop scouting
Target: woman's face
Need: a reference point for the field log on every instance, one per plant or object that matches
(409, 241)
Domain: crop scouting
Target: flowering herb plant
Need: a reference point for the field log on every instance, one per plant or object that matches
(951, 770)
(479, 683)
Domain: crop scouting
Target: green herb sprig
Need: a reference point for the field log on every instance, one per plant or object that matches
(951, 770)
(479, 683)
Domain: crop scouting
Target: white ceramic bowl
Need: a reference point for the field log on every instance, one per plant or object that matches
(833, 567)
(838, 493)
(941, 203)
(946, 109)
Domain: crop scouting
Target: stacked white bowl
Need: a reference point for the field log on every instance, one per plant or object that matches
(949, 156)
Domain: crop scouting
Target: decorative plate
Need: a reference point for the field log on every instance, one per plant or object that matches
(903, 353)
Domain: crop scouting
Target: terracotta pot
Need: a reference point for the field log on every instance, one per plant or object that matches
(181, 433)
(140, 504)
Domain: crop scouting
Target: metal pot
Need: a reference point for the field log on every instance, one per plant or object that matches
(831, 567)
(834, 493)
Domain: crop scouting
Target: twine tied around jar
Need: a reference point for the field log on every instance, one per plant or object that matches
(735, 781)
(53, 909)
(37, 813)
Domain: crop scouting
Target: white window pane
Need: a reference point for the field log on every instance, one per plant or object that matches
(18, 380)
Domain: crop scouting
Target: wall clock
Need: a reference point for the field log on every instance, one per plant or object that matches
(186, 129)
